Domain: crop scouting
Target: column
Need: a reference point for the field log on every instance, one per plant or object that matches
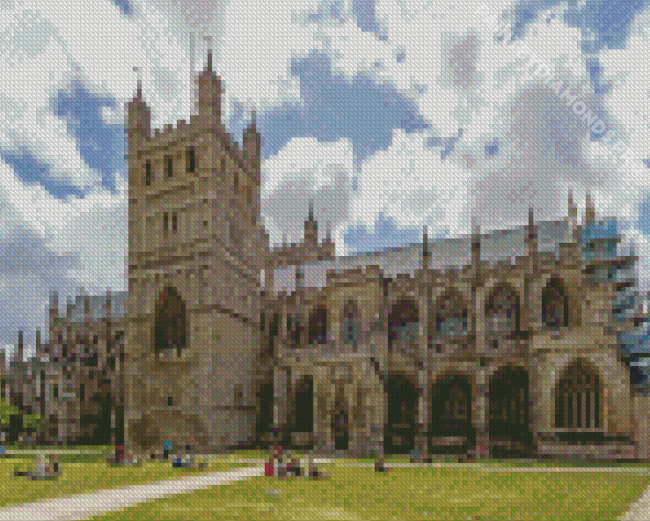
(481, 417)
(323, 405)
(424, 410)
(280, 401)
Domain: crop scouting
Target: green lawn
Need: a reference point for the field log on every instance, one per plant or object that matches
(471, 493)
(85, 473)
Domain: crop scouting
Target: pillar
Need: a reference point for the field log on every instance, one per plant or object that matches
(323, 406)
(424, 412)
(480, 416)
(281, 379)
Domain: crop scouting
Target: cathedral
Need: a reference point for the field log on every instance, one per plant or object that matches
(492, 345)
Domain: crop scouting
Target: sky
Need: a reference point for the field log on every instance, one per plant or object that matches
(388, 114)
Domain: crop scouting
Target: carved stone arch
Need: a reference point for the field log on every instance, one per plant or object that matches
(449, 319)
(578, 399)
(171, 332)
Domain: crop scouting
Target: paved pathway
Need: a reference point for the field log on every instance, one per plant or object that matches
(640, 509)
(84, 506)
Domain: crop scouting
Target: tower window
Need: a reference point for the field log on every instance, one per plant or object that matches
(170, 166)
(148, 173)
(174, 222)
(166, 221)
(170, 401)
(223, 164)
(191, 165)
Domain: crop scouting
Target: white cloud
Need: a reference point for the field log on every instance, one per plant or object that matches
(306, 169)
(413, 185)
(629, 99)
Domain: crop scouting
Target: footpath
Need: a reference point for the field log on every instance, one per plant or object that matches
(84, 506)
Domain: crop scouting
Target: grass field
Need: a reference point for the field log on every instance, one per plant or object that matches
(472, 493)
(85, 473)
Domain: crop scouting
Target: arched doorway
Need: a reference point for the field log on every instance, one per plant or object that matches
(97, 416)
(264, 416)
(302, 414)
(451, 416)
(340, 425)
(170, 323)
(578, 406)
(509, 413)
(399, 437)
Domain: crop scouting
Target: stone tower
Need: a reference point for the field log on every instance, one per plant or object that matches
(196, 251)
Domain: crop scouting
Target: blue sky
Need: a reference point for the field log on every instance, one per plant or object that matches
(389, 114)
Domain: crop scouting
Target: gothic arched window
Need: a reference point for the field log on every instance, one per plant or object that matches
(350, 324)
(170, 322)
(555, 305)
(318, 326)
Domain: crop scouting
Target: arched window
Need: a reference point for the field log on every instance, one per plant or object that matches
(293, 330)
(501, 315)
(577, 399)
(350, 324)
(318, 326)
(451, 318)
(555, 305)
(170, 322)
(403, 323)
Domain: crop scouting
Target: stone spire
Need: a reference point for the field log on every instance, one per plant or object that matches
(425, 247)
(311, 227)
(572, 220)
(251, 149)
(476, 244)
(590, 215)
(139, 119)
(531, 234)
(209, 93)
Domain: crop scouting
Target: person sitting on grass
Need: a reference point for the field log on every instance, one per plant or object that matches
(43, 470)
(379, 464)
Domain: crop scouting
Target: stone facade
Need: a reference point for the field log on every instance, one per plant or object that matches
(196, 253)
(495, 344)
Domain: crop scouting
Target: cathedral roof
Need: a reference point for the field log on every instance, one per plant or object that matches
(445, 254)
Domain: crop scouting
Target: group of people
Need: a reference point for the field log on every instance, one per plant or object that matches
(287, 464)
(47, 467)
(180, 459)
